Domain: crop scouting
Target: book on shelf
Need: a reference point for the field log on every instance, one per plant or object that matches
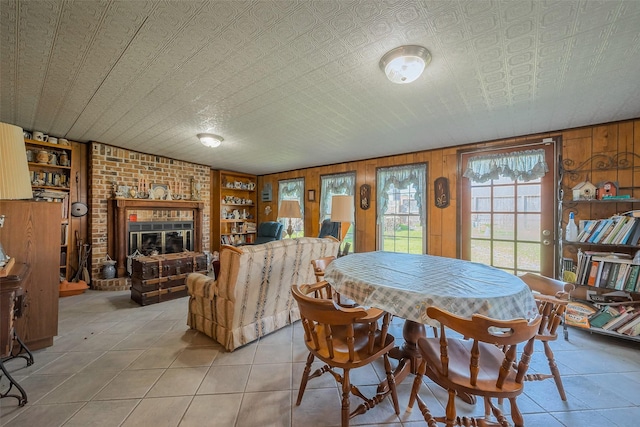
(578, 313)
(597, 230)
(603, 273)
(593, 273)
(621, 277)
(623, 235)
(632, 278)
(619, 222)
(632, 327)
(603, 316)
(609, 225)
(619, 320)
(613, 276)
(586, 229)
(634, 240)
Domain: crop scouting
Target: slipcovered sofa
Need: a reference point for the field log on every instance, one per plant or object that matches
(251, 296)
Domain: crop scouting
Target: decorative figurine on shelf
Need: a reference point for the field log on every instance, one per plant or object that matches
(584, 191)
(195, 189)
(606, 189)
(168, 196)
(117, 190)
(133, 192)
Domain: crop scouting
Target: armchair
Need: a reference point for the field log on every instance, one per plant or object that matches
(329, 228)
(268, 232)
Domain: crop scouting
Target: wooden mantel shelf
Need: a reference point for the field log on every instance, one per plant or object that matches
(118, 218)
(158, 204)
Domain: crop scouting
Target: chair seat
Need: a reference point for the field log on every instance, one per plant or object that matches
(459, 353)
(341, 347)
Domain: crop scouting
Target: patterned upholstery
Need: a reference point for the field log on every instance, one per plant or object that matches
(252, 294)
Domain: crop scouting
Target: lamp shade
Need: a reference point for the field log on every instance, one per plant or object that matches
(342, 208)
(289, 209)
(15, 180)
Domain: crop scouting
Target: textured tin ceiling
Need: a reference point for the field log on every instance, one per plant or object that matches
(292, 84)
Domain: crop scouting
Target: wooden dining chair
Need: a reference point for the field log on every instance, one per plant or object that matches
(344, 338)
(319, 266)
(552, 298)
(482, 364)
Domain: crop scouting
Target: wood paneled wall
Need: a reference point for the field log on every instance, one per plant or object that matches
(578, 144)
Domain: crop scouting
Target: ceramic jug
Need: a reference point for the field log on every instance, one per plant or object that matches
(42, 156)
(53, 159)
(64, 159)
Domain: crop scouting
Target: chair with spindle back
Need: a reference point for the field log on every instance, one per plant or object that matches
(344, 338)
(552, 297)
(482, 364)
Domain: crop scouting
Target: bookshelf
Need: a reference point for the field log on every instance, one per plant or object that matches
(236, 196)
(52, 180)
(609, 235)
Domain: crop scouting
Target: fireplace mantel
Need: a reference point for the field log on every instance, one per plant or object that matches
(118, 216)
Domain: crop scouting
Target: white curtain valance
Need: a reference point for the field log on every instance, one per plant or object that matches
(401, 177)
(518, 165)
(331, 185)
(292, 189)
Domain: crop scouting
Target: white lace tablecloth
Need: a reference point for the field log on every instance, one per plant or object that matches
(405, 285)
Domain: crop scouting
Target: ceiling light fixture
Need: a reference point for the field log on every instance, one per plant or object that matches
(210, 139)
(405, 64)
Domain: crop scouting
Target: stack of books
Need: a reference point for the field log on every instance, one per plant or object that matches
(608, 272)
(623, 319)
(617, 230)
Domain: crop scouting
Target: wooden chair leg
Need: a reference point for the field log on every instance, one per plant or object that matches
(417, 383)
(516, 415)
(554, 370)
(391, 381)
(305, 378)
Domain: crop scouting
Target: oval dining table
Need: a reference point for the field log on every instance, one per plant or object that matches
(406, 284)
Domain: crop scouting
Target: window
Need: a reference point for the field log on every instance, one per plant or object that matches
(333, 185)
(401, 191)
(292, 189)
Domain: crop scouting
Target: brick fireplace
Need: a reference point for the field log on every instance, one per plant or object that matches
(111, 167)
(120, 218)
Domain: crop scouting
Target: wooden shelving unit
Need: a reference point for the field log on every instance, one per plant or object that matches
(233, 208)
(601, 166)
(53, 180)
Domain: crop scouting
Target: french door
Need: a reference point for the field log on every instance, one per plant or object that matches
(511, 224)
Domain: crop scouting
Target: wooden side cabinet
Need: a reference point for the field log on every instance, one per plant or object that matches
(31, 235)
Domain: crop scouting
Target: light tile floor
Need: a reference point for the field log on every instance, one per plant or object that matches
(115, 363)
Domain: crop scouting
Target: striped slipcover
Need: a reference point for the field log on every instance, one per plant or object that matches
(252, 295)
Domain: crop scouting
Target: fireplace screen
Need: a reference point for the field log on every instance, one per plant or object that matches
(153, 238)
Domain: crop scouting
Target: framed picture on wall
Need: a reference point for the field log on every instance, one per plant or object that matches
(311, 195)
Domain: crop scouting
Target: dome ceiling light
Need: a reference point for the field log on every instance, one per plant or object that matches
(210, 139)
(405, 64)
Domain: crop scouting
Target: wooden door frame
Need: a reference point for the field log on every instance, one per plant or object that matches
(556, 147)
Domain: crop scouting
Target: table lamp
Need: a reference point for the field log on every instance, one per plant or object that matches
(342, 211)
(15, 181)
(289, 209)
